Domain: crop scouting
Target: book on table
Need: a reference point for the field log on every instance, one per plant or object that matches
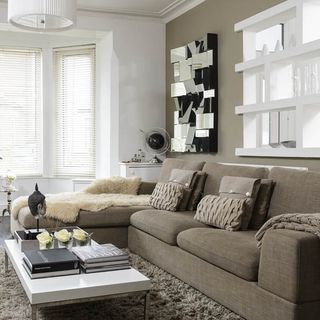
(100, 253)
(50, 274)
(53, 260)
(102, 258)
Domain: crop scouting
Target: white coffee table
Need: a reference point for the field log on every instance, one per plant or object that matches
(80, 288)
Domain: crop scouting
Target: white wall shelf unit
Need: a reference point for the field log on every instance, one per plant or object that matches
(281, 81)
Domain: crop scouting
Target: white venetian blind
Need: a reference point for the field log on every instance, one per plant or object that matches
(20, 111)
(75, 153)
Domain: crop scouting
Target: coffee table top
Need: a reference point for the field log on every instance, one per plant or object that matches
(72, 287)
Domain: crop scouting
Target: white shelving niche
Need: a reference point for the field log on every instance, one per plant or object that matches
(281, 81)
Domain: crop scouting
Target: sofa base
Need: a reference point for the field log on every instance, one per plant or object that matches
(243, 297)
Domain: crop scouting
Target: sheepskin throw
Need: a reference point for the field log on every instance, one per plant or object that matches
(129, 185)
(306, 222)
(65, 207)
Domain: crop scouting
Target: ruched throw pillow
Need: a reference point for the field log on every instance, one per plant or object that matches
(241, 188)
(223, 213)
(166, 196)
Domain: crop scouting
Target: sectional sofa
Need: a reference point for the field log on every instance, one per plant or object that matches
(280, 282)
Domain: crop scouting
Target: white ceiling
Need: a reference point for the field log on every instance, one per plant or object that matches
(165, 9)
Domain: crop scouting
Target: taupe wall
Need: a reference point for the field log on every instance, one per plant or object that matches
(219, 16)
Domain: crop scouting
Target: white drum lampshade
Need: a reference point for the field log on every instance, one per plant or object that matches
(42, 15)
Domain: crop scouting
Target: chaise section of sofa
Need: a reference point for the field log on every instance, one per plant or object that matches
(108, 226)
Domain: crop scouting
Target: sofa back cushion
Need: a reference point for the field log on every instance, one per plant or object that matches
(217, 171)
(296, 191)
(171, 163)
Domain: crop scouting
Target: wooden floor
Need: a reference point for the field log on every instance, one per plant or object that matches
(4, 229)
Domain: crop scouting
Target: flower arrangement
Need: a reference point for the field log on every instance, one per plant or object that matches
(82, 238)
(64, 238)
(45, 240)
(9, 178)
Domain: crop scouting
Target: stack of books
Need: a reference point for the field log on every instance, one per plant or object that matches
(100, 258)
(50, 263)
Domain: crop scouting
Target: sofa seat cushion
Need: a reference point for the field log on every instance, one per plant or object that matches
(235, 252)
(165, 225)
(111, 217)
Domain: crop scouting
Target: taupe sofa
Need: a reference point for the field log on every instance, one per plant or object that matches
(280, 282)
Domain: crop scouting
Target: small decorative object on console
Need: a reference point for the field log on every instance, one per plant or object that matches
(9, 177)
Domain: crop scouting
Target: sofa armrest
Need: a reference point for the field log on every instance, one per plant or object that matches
(146, 187)
(290, 265)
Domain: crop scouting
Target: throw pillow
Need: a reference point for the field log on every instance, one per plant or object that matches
(241, 188)
(197, 191)
(261, 207)
(186, 179)
(122, 185)
(224, 213)
(166, 196)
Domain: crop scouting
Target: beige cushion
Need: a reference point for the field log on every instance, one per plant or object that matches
(216, 171)
(295, 191)
(235, 252)
(197, 191)
(166, 196)
(261, 206)
(186, 178)
(164, 225)
(170, 163)
(224, 213)
(241, 188)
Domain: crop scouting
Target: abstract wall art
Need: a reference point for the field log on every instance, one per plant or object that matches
(195, 95)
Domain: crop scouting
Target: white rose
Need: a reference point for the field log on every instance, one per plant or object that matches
(44, 237)
(63, 235)
(80, 235)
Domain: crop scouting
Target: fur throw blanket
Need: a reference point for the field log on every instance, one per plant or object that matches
(306, 222)
(101, 194)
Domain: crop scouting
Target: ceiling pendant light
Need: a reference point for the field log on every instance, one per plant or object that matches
(42, 15)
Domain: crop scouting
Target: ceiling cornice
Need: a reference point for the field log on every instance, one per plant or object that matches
(172, 11)
(181, 9)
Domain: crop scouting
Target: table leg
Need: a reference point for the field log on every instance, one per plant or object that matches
(6, 261)
(34, 312)
(146, 306)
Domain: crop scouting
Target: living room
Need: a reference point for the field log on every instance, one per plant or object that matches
(181, 132)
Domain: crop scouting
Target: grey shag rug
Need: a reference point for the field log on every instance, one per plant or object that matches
(171, 299)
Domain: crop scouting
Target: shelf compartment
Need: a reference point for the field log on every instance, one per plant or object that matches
(310, 20)
(311, 126)
(254, 86)
(306, 51)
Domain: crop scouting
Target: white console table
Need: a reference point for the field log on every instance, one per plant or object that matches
(147, 171)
